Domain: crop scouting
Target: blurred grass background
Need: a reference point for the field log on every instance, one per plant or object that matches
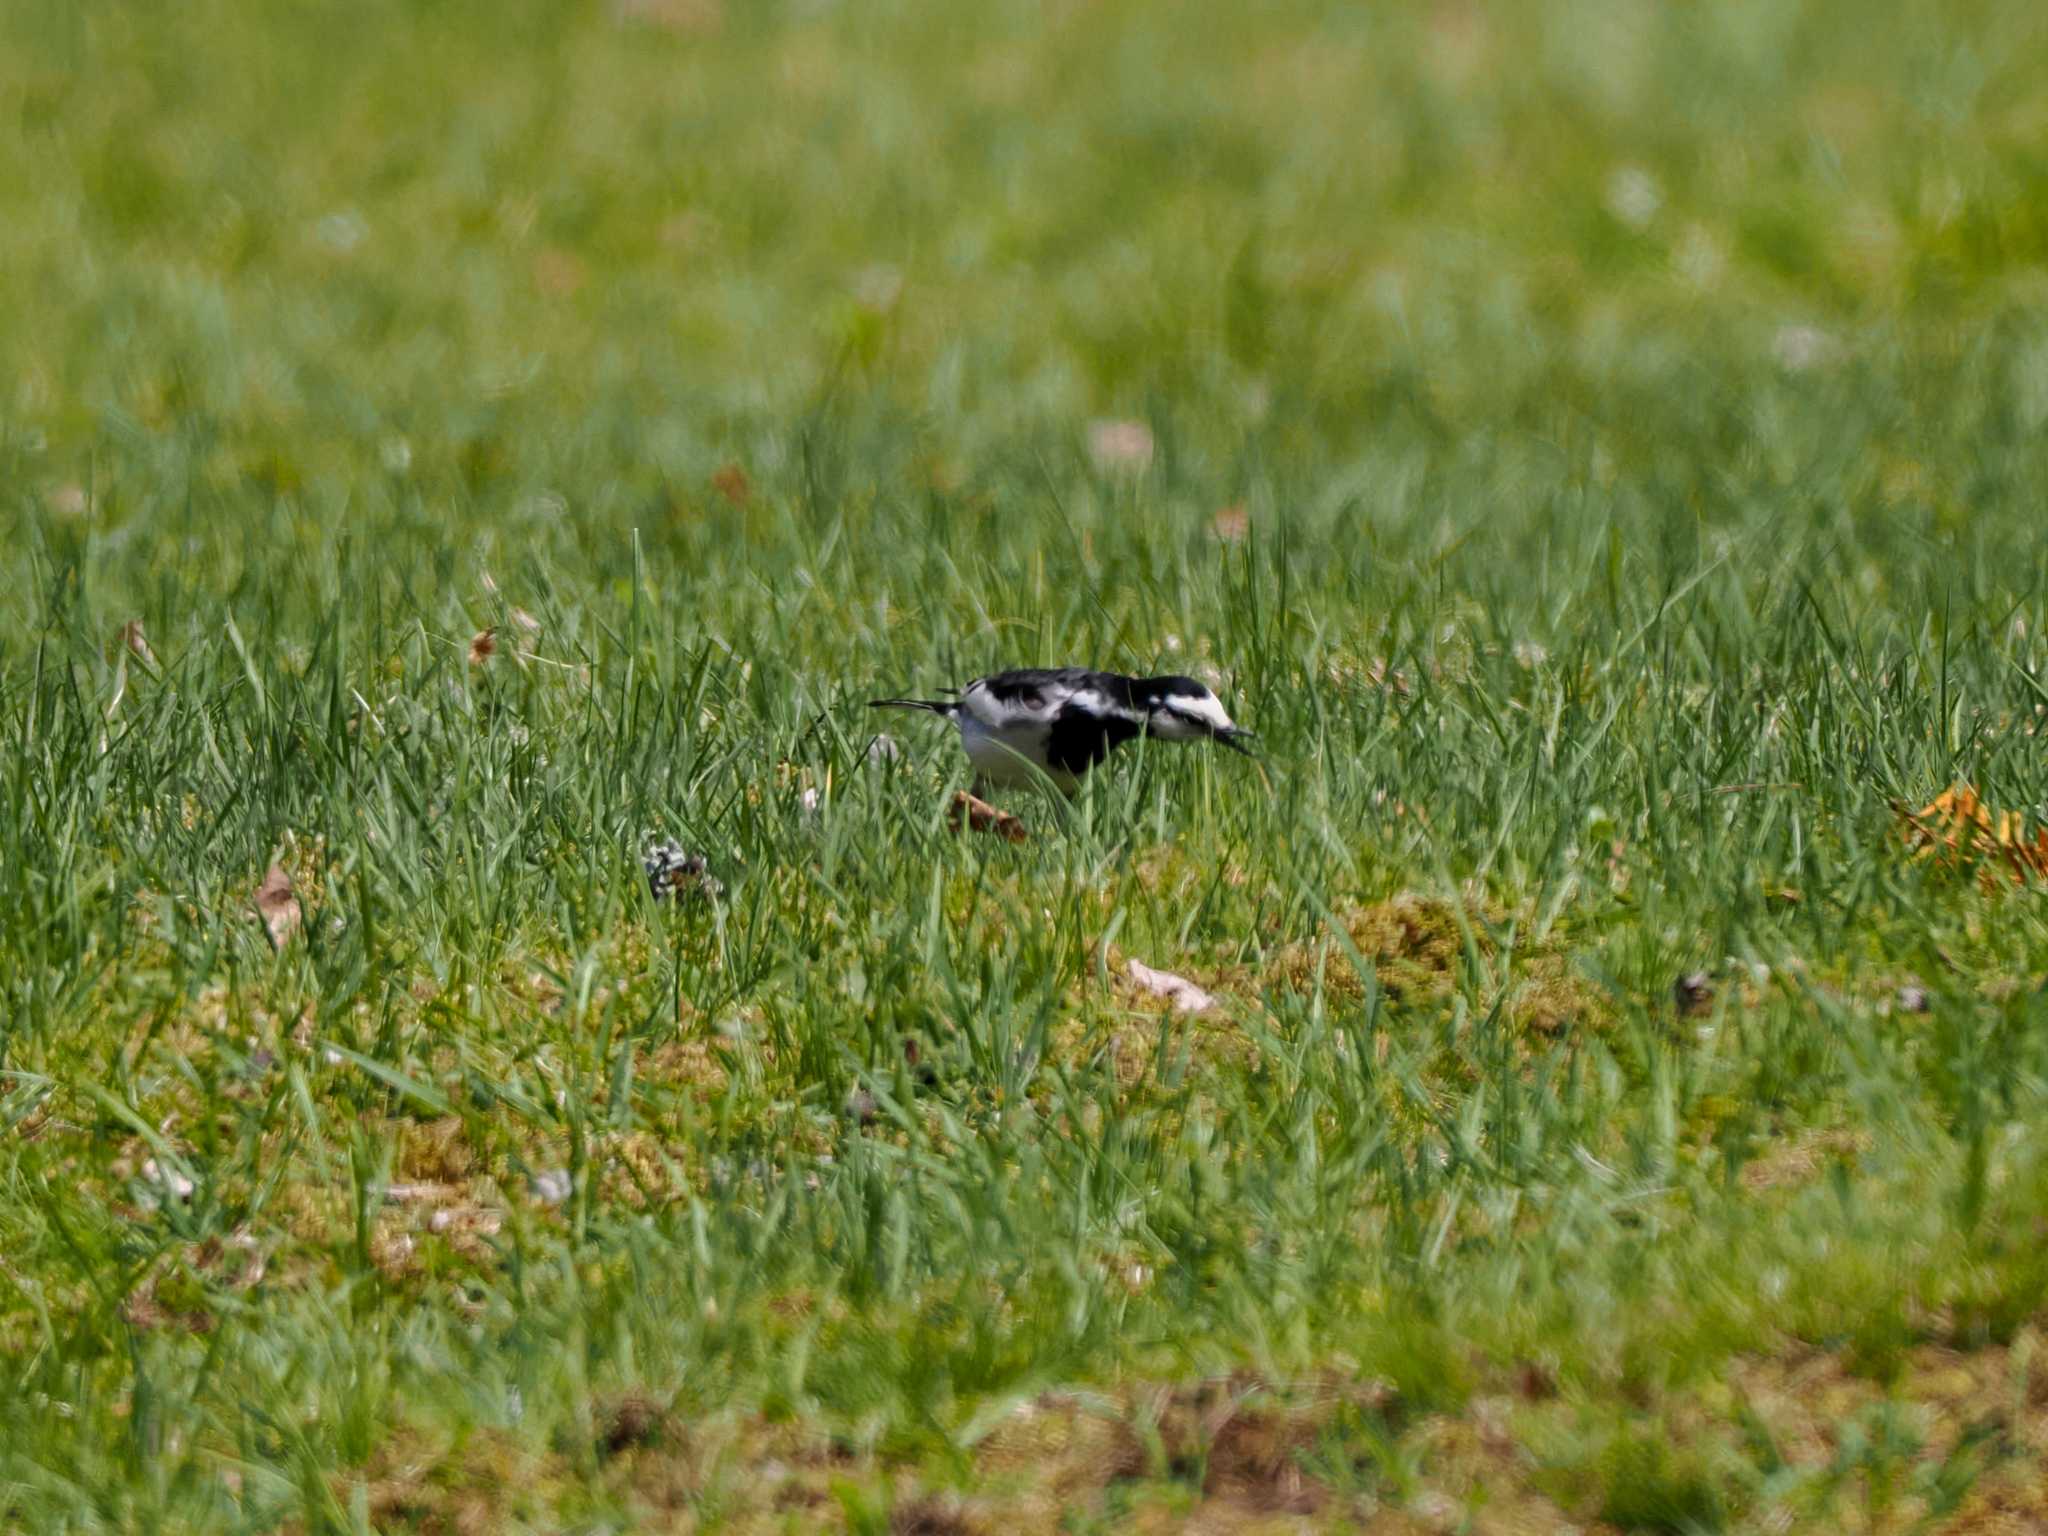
(600, 249)
(1600, 447)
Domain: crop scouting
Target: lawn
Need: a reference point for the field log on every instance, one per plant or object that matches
(445, 446)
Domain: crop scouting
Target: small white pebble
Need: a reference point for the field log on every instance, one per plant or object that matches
(1800, 347)
(1633, 196)
(552, 1186)
(1699, 258)
(342, 231)
(878, 287)
(1433, 1508)
(168, 1180)
(1120, 446)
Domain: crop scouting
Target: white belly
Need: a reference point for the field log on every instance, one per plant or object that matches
(1012, 756)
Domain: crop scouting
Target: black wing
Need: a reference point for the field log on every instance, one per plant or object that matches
(1039, 687)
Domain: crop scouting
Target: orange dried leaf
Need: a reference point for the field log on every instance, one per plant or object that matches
(1956, 824)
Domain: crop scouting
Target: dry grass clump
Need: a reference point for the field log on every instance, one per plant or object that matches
(1423, 950)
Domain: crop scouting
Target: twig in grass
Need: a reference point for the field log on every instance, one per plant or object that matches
(976, 814)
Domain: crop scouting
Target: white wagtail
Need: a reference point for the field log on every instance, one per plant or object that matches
(1056, 723)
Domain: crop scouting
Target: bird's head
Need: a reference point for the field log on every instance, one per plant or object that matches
(1181, 709)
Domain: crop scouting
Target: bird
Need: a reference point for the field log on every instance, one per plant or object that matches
(1055, 723)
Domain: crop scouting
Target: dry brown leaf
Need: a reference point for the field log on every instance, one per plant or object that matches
(978, 815)
(1183, 994)
(1380, 675)
(634, 1420)
(236, 1260)
(133, 638)
(483, 646)
(731, 482)
(278, 907)
(1958, 826)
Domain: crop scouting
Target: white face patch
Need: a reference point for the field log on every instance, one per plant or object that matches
(1187, 717)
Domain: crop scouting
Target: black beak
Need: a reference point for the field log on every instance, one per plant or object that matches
(1235, 739)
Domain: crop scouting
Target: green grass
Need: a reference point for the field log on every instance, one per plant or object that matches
(1630, 425)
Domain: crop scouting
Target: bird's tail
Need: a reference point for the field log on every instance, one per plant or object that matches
(936, 706)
